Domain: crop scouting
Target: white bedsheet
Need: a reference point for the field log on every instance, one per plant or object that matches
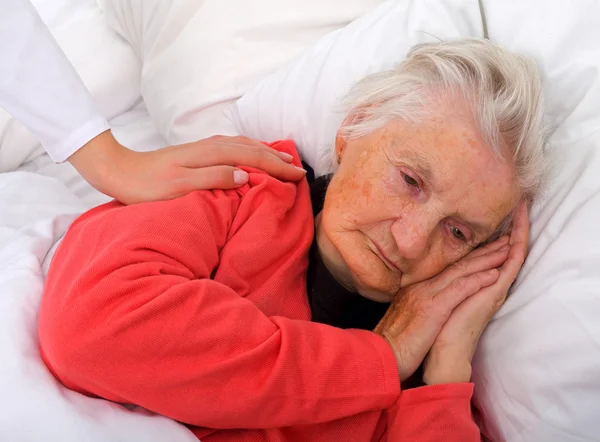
(36, 209)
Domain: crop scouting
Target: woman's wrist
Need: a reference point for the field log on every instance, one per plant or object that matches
(450, 369)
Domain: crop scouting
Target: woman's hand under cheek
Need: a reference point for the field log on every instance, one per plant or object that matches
(418, 312)
(449, 359)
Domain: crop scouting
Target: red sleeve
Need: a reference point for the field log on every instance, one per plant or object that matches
(140, 308)
(432, 414)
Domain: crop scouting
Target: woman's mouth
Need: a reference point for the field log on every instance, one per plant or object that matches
(387, 261)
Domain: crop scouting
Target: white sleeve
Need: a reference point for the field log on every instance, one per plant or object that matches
(38, 85)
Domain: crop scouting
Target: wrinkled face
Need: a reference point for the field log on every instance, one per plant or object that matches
(407, 201)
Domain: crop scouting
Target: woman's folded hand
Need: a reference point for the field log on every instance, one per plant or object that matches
(418, 312)
(133, 177)
(449, 359)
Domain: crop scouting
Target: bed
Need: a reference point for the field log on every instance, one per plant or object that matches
(537, 371)
(39, 199)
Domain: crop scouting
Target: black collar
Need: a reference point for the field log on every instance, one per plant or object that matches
(330, 302)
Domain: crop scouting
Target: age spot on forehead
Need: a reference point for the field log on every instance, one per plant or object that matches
(471, 142)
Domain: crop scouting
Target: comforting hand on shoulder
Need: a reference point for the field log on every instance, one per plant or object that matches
(133, 177)
(449, 359)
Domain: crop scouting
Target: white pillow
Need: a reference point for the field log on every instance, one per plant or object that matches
(300, 101)
(537, 369)
(538, 365)
(199, 56)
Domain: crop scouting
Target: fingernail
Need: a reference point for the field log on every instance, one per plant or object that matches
(286, 156)
(300, 168)
(240, 176)
(504, 248)
(493, 272)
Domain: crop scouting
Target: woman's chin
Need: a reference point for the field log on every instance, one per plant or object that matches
(375, 296)
(375, 282)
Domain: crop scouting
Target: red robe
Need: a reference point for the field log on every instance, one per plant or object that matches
(196, 309)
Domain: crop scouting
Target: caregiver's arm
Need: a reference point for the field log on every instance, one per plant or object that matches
(40, 87)
(42, 90)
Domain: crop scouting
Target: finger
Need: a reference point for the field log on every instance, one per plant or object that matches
(510, 269)
(258, 145)
(228, 154)
(214, 151)
(491, 247)
(255, 147)
(518, 247)
(239, 142)
(462, 288)
(520, 230)
(519, 238)
(466, 267)
(468, 320)
(215, 177)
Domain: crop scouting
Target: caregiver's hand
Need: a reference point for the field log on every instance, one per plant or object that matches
(449, 359)
(418, 312)
(133, 177)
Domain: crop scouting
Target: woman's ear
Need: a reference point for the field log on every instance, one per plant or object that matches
(340, 146)
(354, 118)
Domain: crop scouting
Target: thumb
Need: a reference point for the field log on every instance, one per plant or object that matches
(215, 177)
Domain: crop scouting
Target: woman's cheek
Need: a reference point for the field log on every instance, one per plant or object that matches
(434, 263)
(392, 183)
(454, 250)
(449, 255)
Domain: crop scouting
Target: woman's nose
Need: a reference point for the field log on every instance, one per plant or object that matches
(412, 236)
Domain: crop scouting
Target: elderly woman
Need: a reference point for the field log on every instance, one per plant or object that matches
(197, 308)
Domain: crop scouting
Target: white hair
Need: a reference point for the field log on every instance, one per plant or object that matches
(503, 90)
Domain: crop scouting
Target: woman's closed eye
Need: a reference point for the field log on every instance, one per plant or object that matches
(412, 182)
(458, 234)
